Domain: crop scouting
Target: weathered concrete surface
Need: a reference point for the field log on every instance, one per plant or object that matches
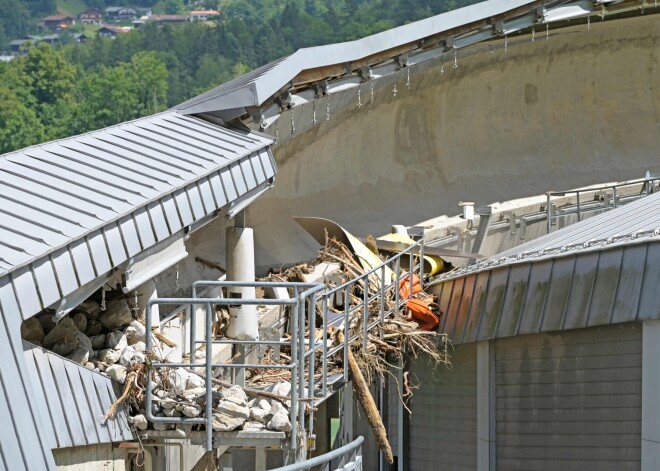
(580, 108)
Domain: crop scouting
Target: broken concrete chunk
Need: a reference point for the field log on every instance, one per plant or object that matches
(230, 416)
(90, 366)
(234, 394)
(80, 320)
(276, 406)
(178, 379)
(117, 315)
(139, 347)
(195, 382)
(159, 426)
(32, 331)
(130, 356)
(280, 422)
(117, 373)
(171, 412)
(193, 394)
(116, 340)
(80, 355)
(258, 414)
(138, 421)
(191, 410)
(109, 356)
(135, 332)
(263, 404)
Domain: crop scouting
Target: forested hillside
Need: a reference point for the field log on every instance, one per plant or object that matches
(49, 92)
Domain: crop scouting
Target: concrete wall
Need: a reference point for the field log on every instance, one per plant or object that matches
(580, 108)
(91, 458)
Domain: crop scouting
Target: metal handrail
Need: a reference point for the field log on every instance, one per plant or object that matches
(303, 308)
(354, 446)
(647, 182)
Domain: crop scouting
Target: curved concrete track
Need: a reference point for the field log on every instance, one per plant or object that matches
(578, 108)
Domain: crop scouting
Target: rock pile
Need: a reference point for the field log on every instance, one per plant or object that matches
(113, 342)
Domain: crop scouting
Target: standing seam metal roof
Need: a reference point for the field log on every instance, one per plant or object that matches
(73, 209)
(72, 400)
(256, 87)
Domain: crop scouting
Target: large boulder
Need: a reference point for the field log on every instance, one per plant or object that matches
(90, 308)
(232, 410)
(109, 356)
(178, 380)
(94, 328)
(33, 331)
(47, 321)
(63, 339)
(280, 422)
(117, 315)
(80, 320)
(116, 340)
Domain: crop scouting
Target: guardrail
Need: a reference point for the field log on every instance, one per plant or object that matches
(308, 299)
(611, 194)
(350, 456)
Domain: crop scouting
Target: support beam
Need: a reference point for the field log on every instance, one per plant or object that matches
(650, 395)
(147, 291)
(486, 460)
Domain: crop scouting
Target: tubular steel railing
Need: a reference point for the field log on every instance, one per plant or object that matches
(582, 207)
(308, 299)
(349, 454)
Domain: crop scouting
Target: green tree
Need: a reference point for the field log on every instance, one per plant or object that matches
(19, 124)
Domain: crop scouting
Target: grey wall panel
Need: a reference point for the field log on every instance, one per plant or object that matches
(443, 424)
(570, 400)
(579, 301)
(513, 300)
(476, 307)
(649, 303)
(454, 306)
(535, 296)
(463, 312)
(493, 306)
(557, 298)
(630, 284)
(605, 287)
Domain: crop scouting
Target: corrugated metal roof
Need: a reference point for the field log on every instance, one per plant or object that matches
(636, 222)
(600, 271)
(24, 443)
(73, 401)
(258, 86)
(73, 209)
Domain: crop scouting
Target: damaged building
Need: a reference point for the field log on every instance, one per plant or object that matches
(140, 329)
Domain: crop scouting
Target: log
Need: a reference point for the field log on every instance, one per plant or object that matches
(368, 404)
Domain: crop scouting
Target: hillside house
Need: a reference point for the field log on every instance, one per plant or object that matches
(91, 16)
(120, 13)
(58, 22)
(202, 15)
(111, 31)
(169, 19)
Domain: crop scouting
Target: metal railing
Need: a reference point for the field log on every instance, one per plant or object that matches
(375, 285)
(350, 454)
(603, 198)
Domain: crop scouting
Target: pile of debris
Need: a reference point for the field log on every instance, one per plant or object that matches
(112, 340)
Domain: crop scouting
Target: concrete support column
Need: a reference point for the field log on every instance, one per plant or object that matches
(145, 292)
(243, 321)
(650, 395)
(486, 425)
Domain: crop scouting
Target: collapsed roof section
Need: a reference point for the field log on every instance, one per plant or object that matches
(313, 72)
(75, 209)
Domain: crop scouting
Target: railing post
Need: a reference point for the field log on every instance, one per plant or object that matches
(325, 346)
(614, 196)
(397, 280)
(312, 357)
(577, 199)
(209, 377)
(347, 307)
(548, 210)
(365, 314)
(293, 411)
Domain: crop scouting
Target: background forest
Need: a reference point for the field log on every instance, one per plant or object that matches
(54, 92)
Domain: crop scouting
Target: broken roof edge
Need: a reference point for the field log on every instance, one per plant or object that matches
(618, 230)
(262, 83)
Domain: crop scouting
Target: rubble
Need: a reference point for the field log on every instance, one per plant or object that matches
(116, 372)
(32, 331)
(117, 315)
